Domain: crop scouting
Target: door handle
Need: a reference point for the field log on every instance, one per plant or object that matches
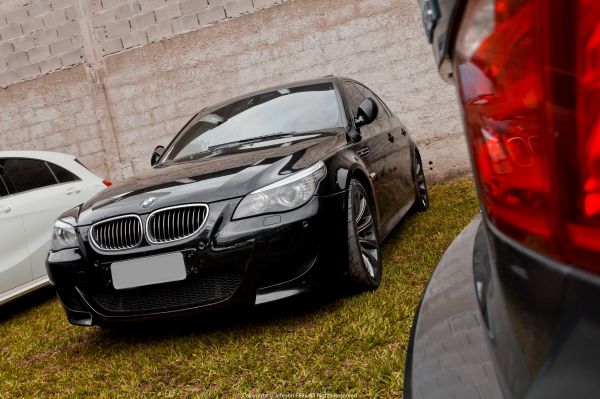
(391, 137)
(72, 191)
(363, 152)
(6, 209)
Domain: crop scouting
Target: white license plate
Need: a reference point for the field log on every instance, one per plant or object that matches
(148, 271)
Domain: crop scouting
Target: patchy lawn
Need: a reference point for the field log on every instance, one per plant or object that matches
(352, 345)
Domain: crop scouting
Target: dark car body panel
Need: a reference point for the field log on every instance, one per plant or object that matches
(532, 318)
(249, 260)
(498, 320)
(440, 20)
(388, 152)
(449, 353)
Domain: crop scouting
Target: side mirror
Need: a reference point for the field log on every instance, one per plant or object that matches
(158, 151)
(367, 112)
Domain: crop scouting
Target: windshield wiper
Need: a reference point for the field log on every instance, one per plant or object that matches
(255, 139)
(241, 142)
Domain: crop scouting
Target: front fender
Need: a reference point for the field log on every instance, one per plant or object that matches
(342, 167)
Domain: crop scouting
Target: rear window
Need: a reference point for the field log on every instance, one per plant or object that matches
(62, 175)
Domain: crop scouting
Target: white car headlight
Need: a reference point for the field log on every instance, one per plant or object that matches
(284, 195)
(63, 234)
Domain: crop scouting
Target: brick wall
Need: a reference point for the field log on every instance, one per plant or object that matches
(122, 24)
(60, 112)
(38, 37)
(41, 36)
(142, 78)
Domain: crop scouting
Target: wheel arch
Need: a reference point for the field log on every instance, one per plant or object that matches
(413, 154)
(344, 167)
(361, 175)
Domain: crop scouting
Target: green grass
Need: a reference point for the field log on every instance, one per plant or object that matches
(351, 345)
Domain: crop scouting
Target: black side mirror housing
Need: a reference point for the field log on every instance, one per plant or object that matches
(158, 152)
(367, 113)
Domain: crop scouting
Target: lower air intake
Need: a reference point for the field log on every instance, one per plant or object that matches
(192, 292)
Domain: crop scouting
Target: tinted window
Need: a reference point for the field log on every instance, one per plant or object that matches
(3, 189)
(353, 96)
(25, 174)
(288, 110)
(63, 175)
(383, 112)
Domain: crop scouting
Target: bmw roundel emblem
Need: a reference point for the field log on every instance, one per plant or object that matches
(148, 201)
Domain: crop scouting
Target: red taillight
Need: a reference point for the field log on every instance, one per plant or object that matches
(106, 183)
(528, 73)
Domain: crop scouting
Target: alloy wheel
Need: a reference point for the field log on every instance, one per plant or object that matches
(421, 183)
(365, 230)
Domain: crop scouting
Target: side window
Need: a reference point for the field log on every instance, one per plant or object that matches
(25, 174)
(5, 182)
(62, 175)
(383, 109)
(3, 188)
(353, 96)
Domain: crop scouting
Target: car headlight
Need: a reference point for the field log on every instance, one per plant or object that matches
(63, 234)
(284, 195)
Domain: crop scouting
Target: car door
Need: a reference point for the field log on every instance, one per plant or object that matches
(368, 143)
(398, 159)
(15, 266)
(375, 139)
(41, 199)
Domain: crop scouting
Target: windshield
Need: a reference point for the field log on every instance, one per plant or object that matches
(287, 111)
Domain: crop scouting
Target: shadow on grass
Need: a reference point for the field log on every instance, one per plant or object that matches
(248, 320)
(25, 303)
(396, 232)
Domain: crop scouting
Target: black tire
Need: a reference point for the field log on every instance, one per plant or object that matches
(364, 256)
(422, 195)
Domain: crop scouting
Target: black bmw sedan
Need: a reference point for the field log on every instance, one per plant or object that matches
(257, 199)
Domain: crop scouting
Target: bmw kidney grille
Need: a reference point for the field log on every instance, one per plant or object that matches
(124, 232)
(162, 226)
(175, 223)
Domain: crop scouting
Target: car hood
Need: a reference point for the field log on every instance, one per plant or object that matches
(216, 176)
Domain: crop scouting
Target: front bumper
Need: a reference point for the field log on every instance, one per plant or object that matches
(229, 264)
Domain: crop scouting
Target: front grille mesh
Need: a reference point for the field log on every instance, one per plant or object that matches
(117, 234)
(194, 291)
(177, 223)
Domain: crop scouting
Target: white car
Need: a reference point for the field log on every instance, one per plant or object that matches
(35, 188)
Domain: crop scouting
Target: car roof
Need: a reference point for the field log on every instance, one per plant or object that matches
(325, 79)
(42, 155)
(298, 83)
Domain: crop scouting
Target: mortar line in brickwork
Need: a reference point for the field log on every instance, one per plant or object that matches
(112, 147)
(91, 49)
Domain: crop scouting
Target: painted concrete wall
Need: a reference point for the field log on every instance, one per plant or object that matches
(107, 80)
